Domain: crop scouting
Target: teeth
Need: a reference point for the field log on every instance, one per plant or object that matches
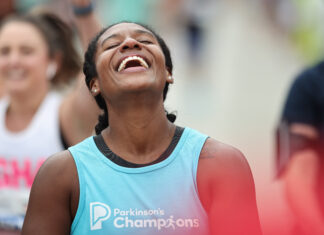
(15, 74)
(124, 62)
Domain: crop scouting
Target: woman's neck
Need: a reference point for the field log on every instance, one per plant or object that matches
(139, 135)
(21, 109)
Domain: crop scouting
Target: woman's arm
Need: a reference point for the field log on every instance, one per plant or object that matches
(79, 112)
(300, 180)
(53, 198)
(88, 24)
(226, 189)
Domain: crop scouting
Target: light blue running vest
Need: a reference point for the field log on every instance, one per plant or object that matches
(155, 199)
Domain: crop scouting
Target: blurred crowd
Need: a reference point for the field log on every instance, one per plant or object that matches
(299, 21)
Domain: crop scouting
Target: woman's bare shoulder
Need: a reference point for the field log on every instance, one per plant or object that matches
(57, 164)
(220, 152)
(219, 161)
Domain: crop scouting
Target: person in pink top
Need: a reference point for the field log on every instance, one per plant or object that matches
(37, 56)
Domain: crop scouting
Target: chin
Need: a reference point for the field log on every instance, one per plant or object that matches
(17, 89)
(138, 83)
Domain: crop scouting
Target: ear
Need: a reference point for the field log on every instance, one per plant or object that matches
(94, 87)
(51, 70)
(54, 65)
(169, 78)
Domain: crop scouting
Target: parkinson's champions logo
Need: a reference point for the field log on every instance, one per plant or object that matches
(99, 212)
(136, 218)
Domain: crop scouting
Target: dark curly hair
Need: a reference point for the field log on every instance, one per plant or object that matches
(89, 69)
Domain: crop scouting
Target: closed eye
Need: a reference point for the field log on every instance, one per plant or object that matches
(145, 42)
(111, 47)
(4, 51)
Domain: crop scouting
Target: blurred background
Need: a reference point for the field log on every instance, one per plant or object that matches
(234, 61)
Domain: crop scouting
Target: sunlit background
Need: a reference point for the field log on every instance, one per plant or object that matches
(234, 61)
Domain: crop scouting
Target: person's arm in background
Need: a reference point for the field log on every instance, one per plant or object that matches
(79, 112)
(87, 22)
(297, 145)
(300, 181)
(226, 189)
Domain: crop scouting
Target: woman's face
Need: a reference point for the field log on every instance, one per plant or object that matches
(23, 58)
(129, 59)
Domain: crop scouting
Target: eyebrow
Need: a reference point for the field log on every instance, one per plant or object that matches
(107, 38)
(138, 31)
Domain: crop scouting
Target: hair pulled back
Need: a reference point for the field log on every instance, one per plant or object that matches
(59, 39)
(90, 71)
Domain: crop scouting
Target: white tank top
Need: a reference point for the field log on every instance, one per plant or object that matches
(22, 153)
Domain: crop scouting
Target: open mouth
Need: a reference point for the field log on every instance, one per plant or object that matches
(131, 62)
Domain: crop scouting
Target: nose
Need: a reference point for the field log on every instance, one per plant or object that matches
(13, 59)
(130, 43)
